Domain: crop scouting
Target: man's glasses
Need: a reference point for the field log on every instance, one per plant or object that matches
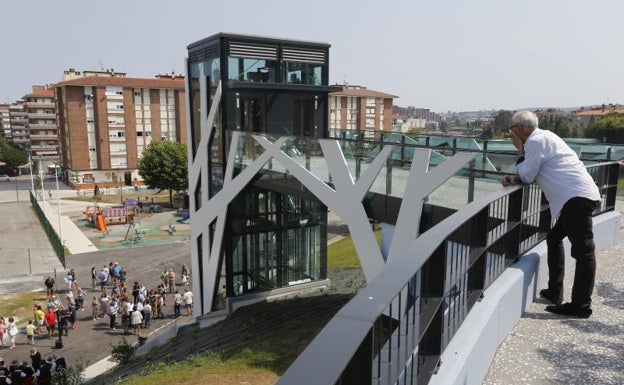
(514, 126)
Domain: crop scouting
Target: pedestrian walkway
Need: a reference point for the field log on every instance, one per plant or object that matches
(545, 349)
(73, 238)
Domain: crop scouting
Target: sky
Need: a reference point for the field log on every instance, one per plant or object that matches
(445, 55)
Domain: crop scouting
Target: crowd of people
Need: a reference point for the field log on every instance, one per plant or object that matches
(35, 371)
(130, 307)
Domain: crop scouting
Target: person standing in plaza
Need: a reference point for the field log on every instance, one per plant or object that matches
(70, 278)
(572, 194)
(103, 278)
(177, 304)
(147, 314)
(50, 320)
(2, 330)
(188, 301)
(136, 319)
(185, 275)
(30, 333)
(39, 318)
(95, 308)
(172, 280)
(35, 358)
(93, 278)
(13, 331)
(49, 284)
(113, 309)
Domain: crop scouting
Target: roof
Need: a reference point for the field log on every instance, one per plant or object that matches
(95, 81)
(257, 39)
(362, 93)
(598, 111)
(41, 93)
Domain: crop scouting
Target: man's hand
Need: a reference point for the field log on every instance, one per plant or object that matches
(517, 142)
(508, 180)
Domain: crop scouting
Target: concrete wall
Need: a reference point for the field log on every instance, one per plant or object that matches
(467, 358)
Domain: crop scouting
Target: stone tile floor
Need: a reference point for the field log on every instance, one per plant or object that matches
(544, 348)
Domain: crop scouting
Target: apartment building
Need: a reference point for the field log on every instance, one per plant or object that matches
(5, 120)
(107, 119)
(18, 118)
(41, 129)
(361, 109)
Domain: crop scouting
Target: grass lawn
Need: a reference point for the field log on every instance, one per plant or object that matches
(341, 254)
(21, 305)
(245, 368)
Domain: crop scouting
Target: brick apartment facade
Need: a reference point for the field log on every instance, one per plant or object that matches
(106, 121)
(358, 108)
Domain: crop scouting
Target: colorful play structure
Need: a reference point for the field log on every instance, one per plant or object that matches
(100, 216)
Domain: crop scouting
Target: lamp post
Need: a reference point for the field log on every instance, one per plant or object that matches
(32, 181)
(41, 179)
(58, 203)
(59, 342)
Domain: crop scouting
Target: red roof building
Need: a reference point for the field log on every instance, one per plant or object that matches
(361, 109)
(106, 120)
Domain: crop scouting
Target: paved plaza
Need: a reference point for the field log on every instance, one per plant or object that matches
(27, 258)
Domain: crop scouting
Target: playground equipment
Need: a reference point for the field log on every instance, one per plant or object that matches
(183, 214)
(100, 216)
(135, 234)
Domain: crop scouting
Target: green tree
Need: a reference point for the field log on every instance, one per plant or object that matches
(609, 128)
(499, 123)
(163, 166)
(11, 155)
(560, 125)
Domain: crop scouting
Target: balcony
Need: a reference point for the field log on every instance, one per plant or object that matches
(49, 104)
(116, 139)
(44, 147)
(20, 140)
(46, 137)
(45, 126)
(40, 115)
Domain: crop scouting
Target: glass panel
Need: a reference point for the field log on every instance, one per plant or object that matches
(195, 70)
(303, 73)
(252, 70)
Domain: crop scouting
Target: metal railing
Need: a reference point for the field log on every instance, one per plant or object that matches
(395, 330)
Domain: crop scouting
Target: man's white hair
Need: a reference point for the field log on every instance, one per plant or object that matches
(526, 118)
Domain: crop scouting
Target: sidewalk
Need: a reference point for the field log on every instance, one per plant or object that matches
(546, 349)
(73, 238)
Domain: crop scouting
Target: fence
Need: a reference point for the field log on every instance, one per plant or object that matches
(395, 330)
(56, 242)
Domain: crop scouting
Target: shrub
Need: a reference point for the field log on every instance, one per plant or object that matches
(122, 352)
(73, 375)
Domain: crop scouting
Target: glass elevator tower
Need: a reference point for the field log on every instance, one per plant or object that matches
(275, 232)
